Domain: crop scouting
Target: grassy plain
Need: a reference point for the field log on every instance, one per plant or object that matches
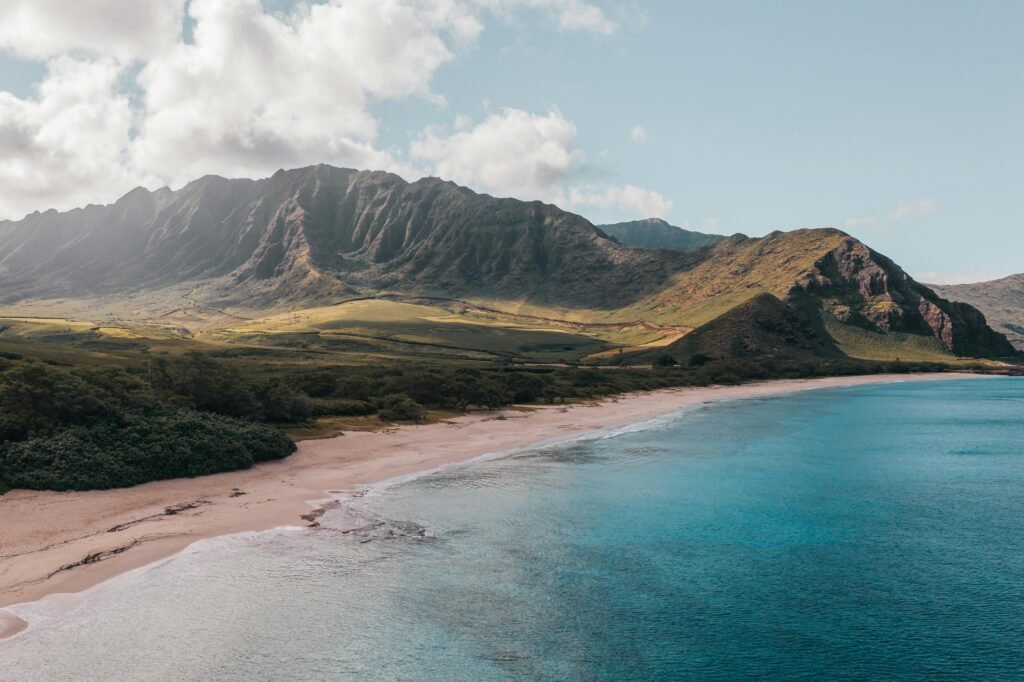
(430, 330)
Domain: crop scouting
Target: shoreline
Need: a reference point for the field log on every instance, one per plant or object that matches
(68, 542)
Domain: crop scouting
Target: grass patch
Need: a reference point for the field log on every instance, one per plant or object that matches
(892, 347)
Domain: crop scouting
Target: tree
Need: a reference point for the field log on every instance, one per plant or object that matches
(35, 397)
(524, 387)
(664, 360)
(279, 403)
(399, 407)
(205, 384)
(699, 360)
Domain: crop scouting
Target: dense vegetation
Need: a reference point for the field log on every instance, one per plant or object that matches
(79, 427)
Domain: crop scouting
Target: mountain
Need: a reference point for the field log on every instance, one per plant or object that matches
(654, 233)
(1001, 300)
(322, 232)
(828, 271)
(320, 235)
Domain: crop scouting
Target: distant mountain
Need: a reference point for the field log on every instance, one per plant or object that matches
(319, 235)
(1001, 300)
(654, 233)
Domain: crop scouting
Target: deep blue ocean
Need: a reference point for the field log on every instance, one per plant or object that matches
(870, 533)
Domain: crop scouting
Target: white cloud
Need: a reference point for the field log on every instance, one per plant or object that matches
(859, 222)
(642, 203)
(919, 207)
(528, 156)
(126, 29)
(512, 153)
(638, 134)
(127, 100)
(255, 92)
(575, 15)
(64, 147)
(571, 15)
(911, 208)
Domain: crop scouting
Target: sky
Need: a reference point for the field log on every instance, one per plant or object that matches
(900, 122)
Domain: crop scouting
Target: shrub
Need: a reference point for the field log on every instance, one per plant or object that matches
(399, 407)
(342, 407)
(699, 360)
(165, 444)
(279, 403)
(664, 360)
(524, 387)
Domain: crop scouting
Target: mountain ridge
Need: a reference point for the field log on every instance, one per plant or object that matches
(1001, 300)
(321, 233)
(302, 228)
(655, 233)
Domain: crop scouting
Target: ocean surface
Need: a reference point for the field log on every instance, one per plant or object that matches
(860, 533)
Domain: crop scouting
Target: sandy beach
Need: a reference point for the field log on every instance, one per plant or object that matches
(66, 542)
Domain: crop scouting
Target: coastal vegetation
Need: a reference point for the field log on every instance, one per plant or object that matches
(83, 428)
(99, 422)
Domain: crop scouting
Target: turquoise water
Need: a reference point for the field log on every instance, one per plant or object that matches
(863, 533)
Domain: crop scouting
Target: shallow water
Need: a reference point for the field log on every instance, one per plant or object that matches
(862, 533)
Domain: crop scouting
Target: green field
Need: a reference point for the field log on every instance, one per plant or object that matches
(393, 329)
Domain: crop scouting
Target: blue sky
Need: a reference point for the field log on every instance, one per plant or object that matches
(900, 122)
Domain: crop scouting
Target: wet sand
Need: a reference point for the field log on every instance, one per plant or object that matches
(66, 542)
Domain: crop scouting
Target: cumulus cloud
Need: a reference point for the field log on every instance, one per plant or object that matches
(254, 91)
(527, 156)
(126, 29)
(129, 100)
(512, 153)
(638, 134)
(920, 207)
(64, 147)
(630, 198)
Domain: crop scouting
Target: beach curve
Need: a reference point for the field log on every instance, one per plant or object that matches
(69, 542)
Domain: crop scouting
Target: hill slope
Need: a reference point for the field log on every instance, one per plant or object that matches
(761, 326)
(655, 233)
(1002, 302)
(320, 235)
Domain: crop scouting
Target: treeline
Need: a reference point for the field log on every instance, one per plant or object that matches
(365, 390)
(76, 428)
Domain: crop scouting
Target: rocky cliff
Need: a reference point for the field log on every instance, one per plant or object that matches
(1001, 300)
